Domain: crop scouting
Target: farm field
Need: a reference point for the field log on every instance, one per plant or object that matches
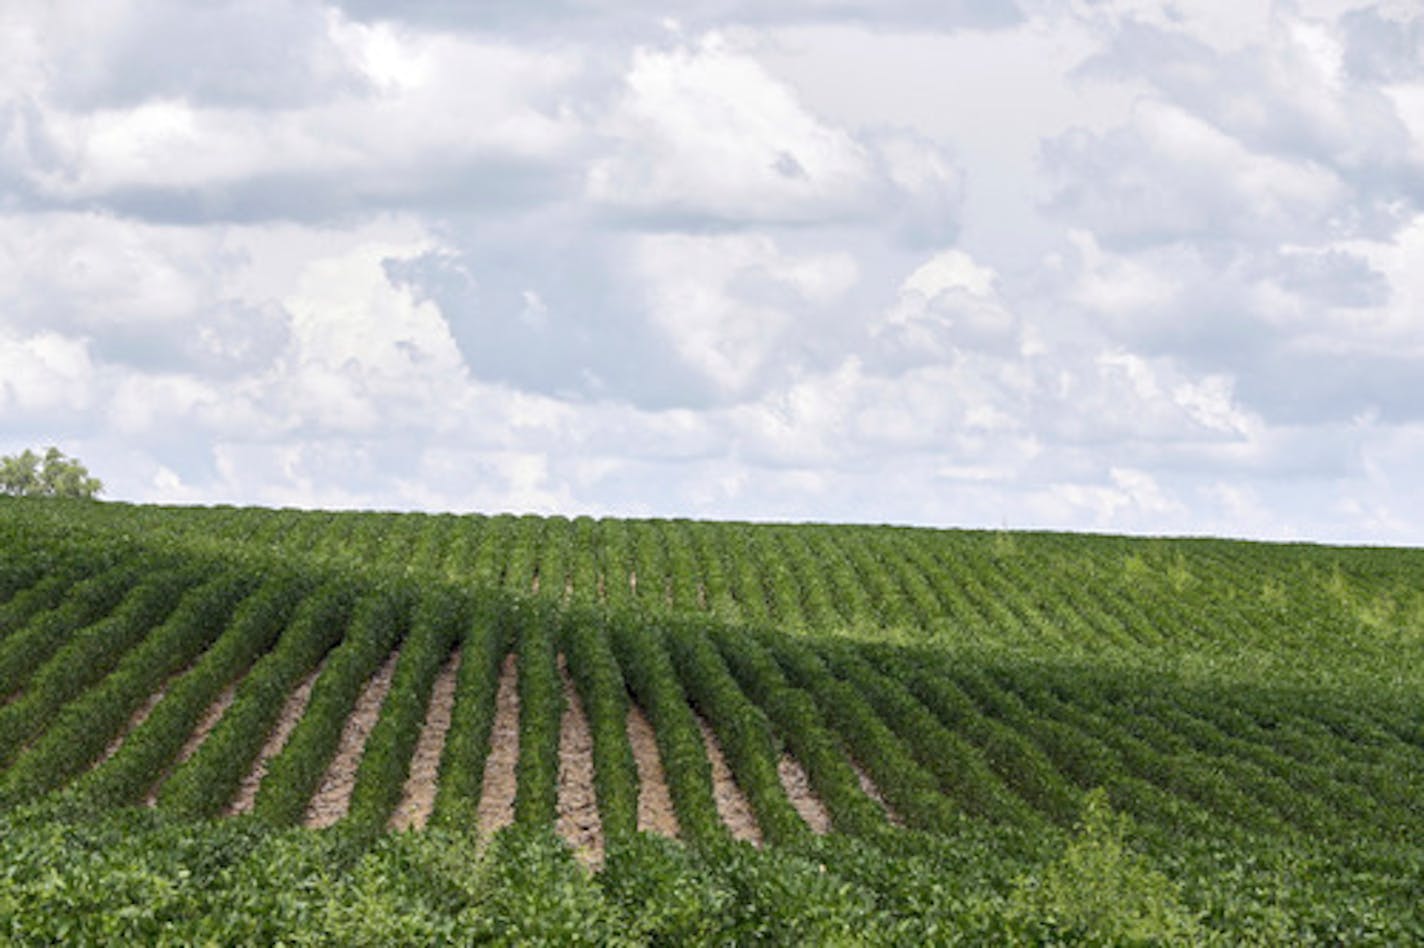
(251, 725)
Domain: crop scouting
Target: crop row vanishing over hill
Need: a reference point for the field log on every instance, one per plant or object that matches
(248, 725)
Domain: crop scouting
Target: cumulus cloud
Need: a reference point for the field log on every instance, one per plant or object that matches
(1122, 265)
(414, 117)
(727, 303)
(706, 136)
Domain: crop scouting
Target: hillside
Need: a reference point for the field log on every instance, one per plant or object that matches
(523, 727)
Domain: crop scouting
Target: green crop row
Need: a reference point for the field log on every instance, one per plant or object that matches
(202, 785)
(541, 709)
(87, 656)
(907, 787)
(599, 679)
(77, 734)
(745, 733)
(385, 761)
(153, 747)
(653, 682)
(485, 643)
(378, 623)
(796, 718)
(29, 598)
(86, 602)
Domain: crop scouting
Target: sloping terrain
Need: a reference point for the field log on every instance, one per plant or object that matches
(769, 696)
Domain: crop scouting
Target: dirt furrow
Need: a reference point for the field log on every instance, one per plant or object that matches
(418, 797)
(655, 810)
(731, 802)
(292, 710)
(211, 716)
(578, 821)
(871, 790)
(803, 799)
(333, 795)
(140, 715)
(496, 809)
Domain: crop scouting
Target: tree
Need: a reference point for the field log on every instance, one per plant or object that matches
(28, 475)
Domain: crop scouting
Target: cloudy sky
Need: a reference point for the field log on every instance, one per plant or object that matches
(1125, 265)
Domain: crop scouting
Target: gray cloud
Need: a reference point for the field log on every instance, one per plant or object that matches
(571, 257)
(583, 16)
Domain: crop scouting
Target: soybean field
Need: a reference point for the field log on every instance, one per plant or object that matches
(247, 725)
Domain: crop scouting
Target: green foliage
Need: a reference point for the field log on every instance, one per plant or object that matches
(27, 474)
(1089, 739)
(377, 625)
(385, 760)
(743, 730)
(541, 709)
(149, 750)
(595, 671)
(1103, 891)
(80, 730)
(800, 724)
(483, 647)
(203, 784)
(654, 684)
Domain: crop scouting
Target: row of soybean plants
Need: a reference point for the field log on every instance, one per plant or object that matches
(81, 699)
(674, 672)
(763, 695)
(60, 651)
(1176, 755)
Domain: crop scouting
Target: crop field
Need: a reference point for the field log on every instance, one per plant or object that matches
(245, 725)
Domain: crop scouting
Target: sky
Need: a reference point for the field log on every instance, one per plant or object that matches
(1121, 266)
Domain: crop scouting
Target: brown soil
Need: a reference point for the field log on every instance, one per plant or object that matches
(702, 597)
(291, 713)
(418, 798)
(206, 723)
(633, 581)
(732, 803)
(333, 795)
(871, 790)
(798, 789)
(496, 809)
(138, 717)
(655, 810)
(578, 821)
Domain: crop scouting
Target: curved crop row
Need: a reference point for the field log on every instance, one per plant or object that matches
(203, 784)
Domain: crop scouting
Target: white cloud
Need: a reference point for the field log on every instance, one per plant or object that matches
(419, 114)
(1171, 175)
(1119, 265)
(1129, 497)
(706, 132)
(43, 374)
(1397, 326)
(948, 304)
(708, 295)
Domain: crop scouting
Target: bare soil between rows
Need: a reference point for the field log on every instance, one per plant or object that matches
(292, 710)
(655, 809)
(578, 821)
(496, 807)
(332, 799)
(418, 796)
